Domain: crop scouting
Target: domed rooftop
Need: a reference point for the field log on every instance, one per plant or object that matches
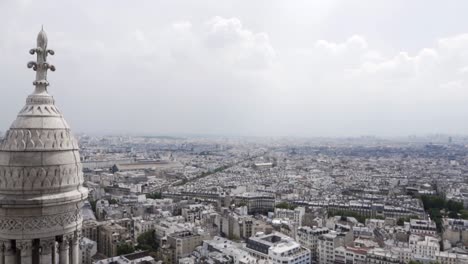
(41, 192)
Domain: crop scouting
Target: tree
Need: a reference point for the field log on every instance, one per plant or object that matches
(285, 205)
(400, 222)
(454, 206)
(154, 195)
(453, 214)
(464, 214)
(93, 205)
(125, 248)
(344, 214)
(147, 241)
(241, 203)
(432, 201)
(434, 204)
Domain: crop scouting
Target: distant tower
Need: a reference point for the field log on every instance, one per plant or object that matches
(41, 192)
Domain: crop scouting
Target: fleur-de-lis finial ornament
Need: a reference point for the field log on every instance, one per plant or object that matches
(41, 66)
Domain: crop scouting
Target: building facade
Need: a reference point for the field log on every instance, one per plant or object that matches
(88, 249)
(183, 243)
(423, 227)
(278, 248)
(309, 238)
(110, 236)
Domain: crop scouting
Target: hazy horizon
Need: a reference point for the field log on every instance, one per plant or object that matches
(243, 68)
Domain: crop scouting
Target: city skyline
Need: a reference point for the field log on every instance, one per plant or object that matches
(328, 68)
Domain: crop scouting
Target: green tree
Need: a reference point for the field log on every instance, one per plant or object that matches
(285, 205)
(432, 201)
(453, 214)
(434, 204)
(241, 203)
(464, 214)
(401, 222)
(345, 213)
(93, 205)
(454, 206)
(154, 195)
(147, 241)
(125, 248)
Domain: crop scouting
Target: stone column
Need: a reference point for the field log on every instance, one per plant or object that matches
(10, 255)
(55, 253)
(64, 251)
(26, 250)
(47, 249)
(2, 252)
(75, 248)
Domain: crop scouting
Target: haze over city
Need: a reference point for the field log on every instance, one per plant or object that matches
(251, 68)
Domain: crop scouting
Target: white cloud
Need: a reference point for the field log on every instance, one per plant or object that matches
(400, 66)
(219, 43)
(424, 72)
(270, 73)
(454, 45)
(237, 45)
(355, 43)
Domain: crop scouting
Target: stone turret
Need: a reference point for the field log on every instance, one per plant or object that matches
(41, 192)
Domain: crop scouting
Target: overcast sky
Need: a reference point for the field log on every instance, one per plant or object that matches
(273, 68)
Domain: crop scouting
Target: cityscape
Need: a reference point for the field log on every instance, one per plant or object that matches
(224, 200)
(227, 194)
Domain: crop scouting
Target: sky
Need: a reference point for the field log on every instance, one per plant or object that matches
(244, 68)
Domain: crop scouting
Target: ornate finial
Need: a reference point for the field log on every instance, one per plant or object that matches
(41, 65)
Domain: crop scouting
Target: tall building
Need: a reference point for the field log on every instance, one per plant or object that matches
(88, 249)
(277, 248)
(41, 192)
(327, 243)
(309, 238)
(109, 237)
(423, 227)
(183, 244)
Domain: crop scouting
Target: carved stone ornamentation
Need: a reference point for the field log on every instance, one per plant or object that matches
(40, 66)
(8, 247)
(66, 242)
(31, 224)
(25, 246)
(46, 245)
(38, 178)
(38, 140)
(63, 248)
(77, 237)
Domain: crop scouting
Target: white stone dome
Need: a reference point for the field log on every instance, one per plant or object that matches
(41, 192)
